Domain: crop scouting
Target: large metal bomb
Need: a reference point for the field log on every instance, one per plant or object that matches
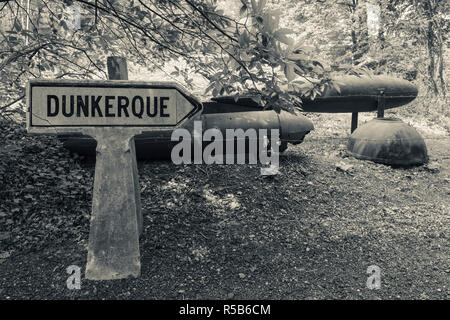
(158, 145)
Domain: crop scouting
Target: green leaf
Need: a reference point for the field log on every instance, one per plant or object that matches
(297, 56)
(17, 26)
(336, 86)
(285, 31)
(289, 72)
(243, 10)
(261, 4)
(283, 38)
(244, 39)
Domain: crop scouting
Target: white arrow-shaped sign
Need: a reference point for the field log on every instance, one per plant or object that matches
(74, 103)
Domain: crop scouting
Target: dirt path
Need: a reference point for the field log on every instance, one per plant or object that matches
(225, 232)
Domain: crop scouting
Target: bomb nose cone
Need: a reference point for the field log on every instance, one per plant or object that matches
(294, 127)
(402, 90)
(411, 88)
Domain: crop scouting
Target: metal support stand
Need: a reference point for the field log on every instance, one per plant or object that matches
(354, 121)
(381, 103)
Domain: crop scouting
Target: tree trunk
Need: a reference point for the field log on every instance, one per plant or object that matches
(354, 38)
(430, 11)
(431, 65)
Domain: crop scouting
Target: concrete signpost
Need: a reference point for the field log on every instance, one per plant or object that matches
(112, 112)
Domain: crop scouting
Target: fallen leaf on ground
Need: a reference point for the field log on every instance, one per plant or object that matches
(344, 167)
(4, 235)
(5, 255)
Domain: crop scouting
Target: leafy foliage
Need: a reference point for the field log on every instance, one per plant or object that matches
(253, 54)
(277, 51)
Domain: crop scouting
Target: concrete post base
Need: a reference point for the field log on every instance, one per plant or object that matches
(116, 220)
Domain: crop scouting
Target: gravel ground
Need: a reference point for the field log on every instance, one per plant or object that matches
(225, 232)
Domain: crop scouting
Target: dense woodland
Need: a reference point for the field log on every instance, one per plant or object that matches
(273, 48)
